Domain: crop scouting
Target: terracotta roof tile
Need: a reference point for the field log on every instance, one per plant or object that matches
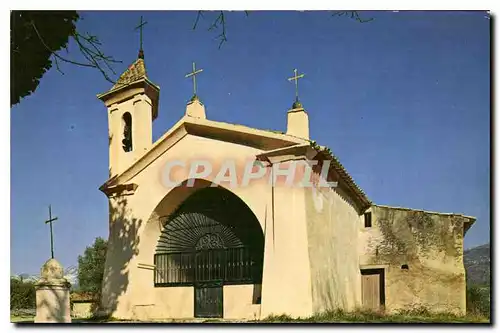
(134, 72)
(83, 296)
(344, 175)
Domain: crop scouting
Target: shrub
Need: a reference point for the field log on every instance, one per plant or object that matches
(22, 294)
(91, 266)
(478, 300)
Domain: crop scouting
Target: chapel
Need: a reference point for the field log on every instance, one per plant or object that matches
(184, 246)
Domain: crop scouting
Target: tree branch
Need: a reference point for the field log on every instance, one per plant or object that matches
(219, 22)
(91, 52)
(200, 15)
(54, 53)
(57, 65)
(354, 14)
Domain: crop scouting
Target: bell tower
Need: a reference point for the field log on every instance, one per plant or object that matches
(132, 107)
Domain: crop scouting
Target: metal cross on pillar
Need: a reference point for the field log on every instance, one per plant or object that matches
(193, 74)
(50, 220)
(140, 27)
(296, 78)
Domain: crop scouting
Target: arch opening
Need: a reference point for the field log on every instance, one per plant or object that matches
(211, 236)
(127, 132)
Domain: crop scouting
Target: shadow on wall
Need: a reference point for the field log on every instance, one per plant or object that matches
(54, 310)
(122, 247)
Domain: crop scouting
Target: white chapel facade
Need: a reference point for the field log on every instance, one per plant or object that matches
(202, 248)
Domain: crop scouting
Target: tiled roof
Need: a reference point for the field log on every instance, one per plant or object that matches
(84, 297)
(467, 224)
(134, 72)
(344, 175)
(426, 211)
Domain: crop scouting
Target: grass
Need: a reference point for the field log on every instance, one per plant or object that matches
(414, 316)
(27, 319)
(21, 319)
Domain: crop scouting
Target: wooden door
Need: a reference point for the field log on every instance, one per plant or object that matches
(208, 302)
(372, 289)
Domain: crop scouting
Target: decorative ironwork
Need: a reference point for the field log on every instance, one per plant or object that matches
(212, 236)
(233, 266)
(184, 230)
(210, 241)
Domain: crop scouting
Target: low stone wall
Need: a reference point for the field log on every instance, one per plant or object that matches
(83, 309)
(83, 305)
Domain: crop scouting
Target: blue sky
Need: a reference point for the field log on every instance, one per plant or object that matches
(403, 101)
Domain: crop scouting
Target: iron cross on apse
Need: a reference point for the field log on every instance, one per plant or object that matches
(193, 75)
(296, 78)
(50, 220)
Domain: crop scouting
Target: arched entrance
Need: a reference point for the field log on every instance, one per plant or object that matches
(212, 239)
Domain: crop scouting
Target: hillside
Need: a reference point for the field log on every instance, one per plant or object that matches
(477, 265)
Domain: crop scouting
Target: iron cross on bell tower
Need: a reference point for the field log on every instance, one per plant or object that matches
(140, 27)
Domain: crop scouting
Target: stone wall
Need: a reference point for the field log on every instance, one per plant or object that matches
(422, 254)
(83, 309)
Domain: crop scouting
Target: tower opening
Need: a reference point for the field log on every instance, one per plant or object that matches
(127, 132)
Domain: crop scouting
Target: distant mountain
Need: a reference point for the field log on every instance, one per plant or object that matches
(70, 273)
(477, 265)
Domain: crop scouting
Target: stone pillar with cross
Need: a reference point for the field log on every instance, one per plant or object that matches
(194, 107)
(52, 289)
(297, 118)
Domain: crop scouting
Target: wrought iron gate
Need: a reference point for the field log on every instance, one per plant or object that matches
(211, 240)
(208, 299)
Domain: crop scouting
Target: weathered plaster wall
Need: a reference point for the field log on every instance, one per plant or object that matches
(178, 303)
(167, 302)
(82, 309)
(432, 247)
(239, 302)
(174, 302)
(332, 230)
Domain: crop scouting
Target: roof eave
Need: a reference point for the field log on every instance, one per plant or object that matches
(363, 200)
(104, 96)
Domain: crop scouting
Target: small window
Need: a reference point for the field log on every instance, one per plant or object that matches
(368, 220)
(405, 266)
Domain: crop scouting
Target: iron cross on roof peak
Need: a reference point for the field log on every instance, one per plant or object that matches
(140, 27)
(193, 75)
(296, 78)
